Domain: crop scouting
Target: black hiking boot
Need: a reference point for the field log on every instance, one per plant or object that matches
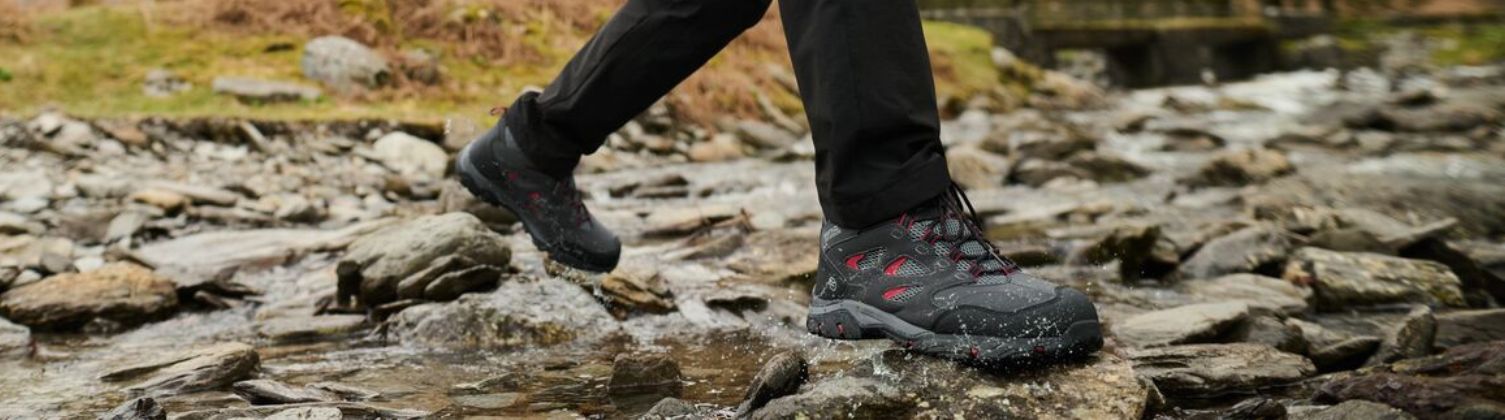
(496, 171)
(931, 282)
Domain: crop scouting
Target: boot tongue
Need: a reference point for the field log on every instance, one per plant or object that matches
(948, 229)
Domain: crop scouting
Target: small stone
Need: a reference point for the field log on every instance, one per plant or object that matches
(412, 156)
(649, 374)
(1181, 325)
(137, 409)
(308, 413)
(15, 340)
(161, 83)
(719, 148)
(976, 169)
(1108, 168)
(488, 401)
(671, 408)
(126, 225)
(1331, 350)
(853, 397)
(782, 375)
(1243, 167)
(1036, 172)
(1342, 280)
(345, 392)
(166, 200)
(765, 135)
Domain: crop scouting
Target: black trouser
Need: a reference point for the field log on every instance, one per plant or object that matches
(863, 70)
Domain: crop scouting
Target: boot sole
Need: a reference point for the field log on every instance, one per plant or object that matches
(490, 193)
(852, 320)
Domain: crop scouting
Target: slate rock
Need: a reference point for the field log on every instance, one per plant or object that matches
(1263, 294)
(1356, 410)
(15, 340)
(1342, 280)
(524, 313)
(1412, 338)
(1243, 251)
(1213, 369)
(376, 264)
(1465, 379)
(782, 375)
(269, 392)
(1271, 331)
(204, 369)
(137, 409)
(671, 408)
(1185, 324)
(1243, 167)
(1468, 327)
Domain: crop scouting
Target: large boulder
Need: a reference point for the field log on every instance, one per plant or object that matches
(1215, 369)
(523, 314)
(344, 64)
(121, 293)
(1343, 279)
(420, 253)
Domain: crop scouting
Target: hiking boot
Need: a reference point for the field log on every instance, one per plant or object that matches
(931, 282)
(494, 168)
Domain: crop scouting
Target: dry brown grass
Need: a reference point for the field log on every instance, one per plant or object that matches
(503, 33)
(15, 23)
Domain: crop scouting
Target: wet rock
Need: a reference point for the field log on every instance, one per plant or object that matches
(1256, 248)
(411, 156)
(781, 376)
(255, 91)
(204, 369)
(1189, 138)
(1476, 265)
(137, 409)
(207, 260)
(1332, 350)
(1053, 144)
(1356, 410)
(450, 286)
(650, 375)
(1186, 324)
(15, 340)
(1440, 118)
(1476, 205)
(1270, 331)
(1412, 338)
(1444, 386)
(15, 224)
(671, 408)
(197, 194)
(1037, 172)
(453, 198)
(1262, 294)
(125, 225)
(854, 397)
(684, 220)
(976, 169)
(1131, 244)
(1342, 280)
(488, 401)
(1468, 327)
(1243, 167)
(305, 411)
(266, 391)
(1361, 230)
(378, 263)
(16, 185)
(345, 392)
(1108, 168)
(628, 291)
(121, 293)
(344, 64)
(303, 329)
(1212, 369)
(525, 313)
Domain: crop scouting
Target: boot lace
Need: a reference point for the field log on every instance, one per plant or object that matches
(957, 234)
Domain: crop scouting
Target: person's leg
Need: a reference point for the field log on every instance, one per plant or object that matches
(864, 74)
(645, 50)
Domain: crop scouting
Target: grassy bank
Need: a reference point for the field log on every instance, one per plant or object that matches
(91, 61)
(1460, 43)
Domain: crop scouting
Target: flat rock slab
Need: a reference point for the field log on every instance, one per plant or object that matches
(193, 261)
(1243, 251)
(1262, 294)
(124, 293)
(1213, 369)
(206, 369)
(1344, 279)
(1181, 325)
(313, 328)
(1468, 327)
(266, 391)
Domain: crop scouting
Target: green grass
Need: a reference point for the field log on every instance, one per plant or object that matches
(91, 62)
(1464, 44)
